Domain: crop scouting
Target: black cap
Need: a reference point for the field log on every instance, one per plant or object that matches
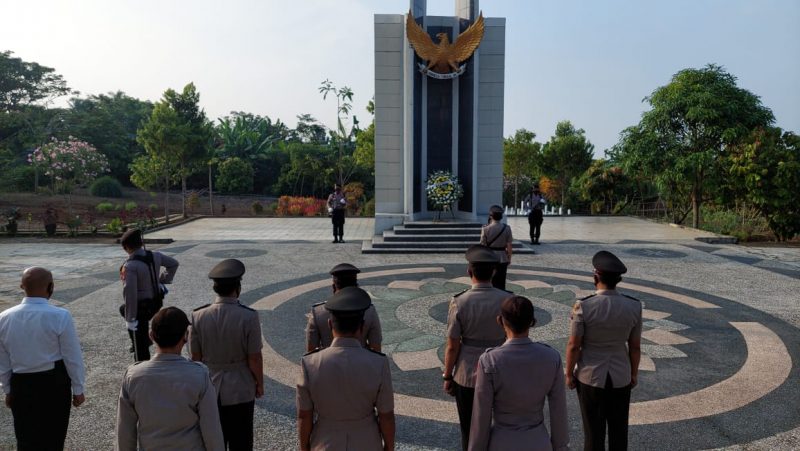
(349, 300)
(344, 268)
(481, 254)
(495, 209)
(131, 238)
(227, 269)
(606, 262)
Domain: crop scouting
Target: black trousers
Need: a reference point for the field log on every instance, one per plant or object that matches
(464, 397)
(141, 341)
(337, 218)
(40, 405)
(601, 407)
(499, 277)
(237, 426)
(535, 219)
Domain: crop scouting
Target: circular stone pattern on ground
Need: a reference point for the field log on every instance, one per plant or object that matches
(655, 253)
(703, 366)
(236, 253)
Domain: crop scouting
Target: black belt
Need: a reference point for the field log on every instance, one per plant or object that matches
(480, 343)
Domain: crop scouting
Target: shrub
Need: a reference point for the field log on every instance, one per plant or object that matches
(17, 179)
(104, 207)
(106, 186)
(235, 176)
(153, 207)
(369, 208)
(301, 206)
(130, 206)
(114, 226)
(193, 201)
(270, 208)
(256, 208)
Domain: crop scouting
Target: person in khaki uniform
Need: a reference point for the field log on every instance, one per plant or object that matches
(168, 402)
(226, 336)
(512, 383)
(344, 386)
(603, 355)
(497, 236)
(318, 332)
(141, 284)
(471, 328)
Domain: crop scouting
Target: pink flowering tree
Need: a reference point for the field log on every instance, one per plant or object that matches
(70, 164)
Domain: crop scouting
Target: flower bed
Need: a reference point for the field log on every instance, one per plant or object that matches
(301, 206)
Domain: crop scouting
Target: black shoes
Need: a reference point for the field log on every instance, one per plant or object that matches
(335, 240)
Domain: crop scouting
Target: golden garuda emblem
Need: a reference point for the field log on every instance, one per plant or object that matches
(444, 58)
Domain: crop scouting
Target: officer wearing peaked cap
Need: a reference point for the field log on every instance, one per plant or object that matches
(226, 336)
(603, 355)
(344, 385)
(497, 236)
(471, 329)
(319, 334)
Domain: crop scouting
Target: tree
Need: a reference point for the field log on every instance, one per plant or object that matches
(364, 153)
(197, 134)
(70, 164)
(769, 163)
(604, 185)
(693, 120)
(567, 155)
(309, 130)
(163, 136)
(109, 122)
(521, 156)
(345, 164)
(235, 176)
(25, 83)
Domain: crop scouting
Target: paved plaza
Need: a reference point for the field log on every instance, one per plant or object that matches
(721, 339)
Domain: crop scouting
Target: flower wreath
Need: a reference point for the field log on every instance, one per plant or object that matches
(443, 189)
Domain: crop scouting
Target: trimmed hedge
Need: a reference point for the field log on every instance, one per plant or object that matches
(106, 187)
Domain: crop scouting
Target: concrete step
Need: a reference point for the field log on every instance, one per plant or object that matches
(403, 230)
(391, 236)
(441, 224)
(379, 246)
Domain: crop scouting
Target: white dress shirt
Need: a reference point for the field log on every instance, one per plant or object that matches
(33, 336)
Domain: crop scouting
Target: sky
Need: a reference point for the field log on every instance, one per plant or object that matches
(590, 62)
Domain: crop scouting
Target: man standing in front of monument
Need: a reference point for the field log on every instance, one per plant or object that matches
(226, 336)
(337, 205)
(472, 328)
(535, 204)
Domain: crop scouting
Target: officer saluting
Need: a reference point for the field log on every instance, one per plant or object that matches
(344, 385)
(471, 328)
(603, 355)
(318, 332)
(226, 336)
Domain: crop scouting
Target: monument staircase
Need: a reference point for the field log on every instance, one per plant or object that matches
(427, 237)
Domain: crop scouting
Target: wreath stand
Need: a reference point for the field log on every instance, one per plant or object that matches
(438, 217)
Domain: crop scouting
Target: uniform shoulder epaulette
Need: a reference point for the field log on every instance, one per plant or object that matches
(460, 293)
(631, 297)
(318, 304)
(587, 297)
(313, 351)
(509, 291)
(248, 308)
(374, 351)
(201, 307)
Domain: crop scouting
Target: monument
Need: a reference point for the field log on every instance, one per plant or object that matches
(439, 84)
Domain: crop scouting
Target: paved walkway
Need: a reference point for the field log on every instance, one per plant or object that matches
(722, 331)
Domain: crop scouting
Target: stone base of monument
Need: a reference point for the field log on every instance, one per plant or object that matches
(427, 237)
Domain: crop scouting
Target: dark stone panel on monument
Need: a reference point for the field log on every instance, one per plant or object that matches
(418, 178)
(440, 118)
(466, 104)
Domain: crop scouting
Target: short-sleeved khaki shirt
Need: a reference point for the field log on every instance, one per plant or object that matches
(225, 333)
(497, 237)
(319, 334)
(344, 385)
(606, 321)
(472, 318)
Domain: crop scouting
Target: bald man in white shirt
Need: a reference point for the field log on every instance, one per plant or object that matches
(41, 366)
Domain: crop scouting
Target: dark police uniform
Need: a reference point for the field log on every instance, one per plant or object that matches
(337, 205)
(225, 333)
(318, 332)
(497, 236)
(138, 288)
(606, 321)
(472, 319)
(535, 203)
(345, 385)
(512, 383)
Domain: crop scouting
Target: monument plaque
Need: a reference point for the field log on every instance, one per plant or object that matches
(439, 84)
